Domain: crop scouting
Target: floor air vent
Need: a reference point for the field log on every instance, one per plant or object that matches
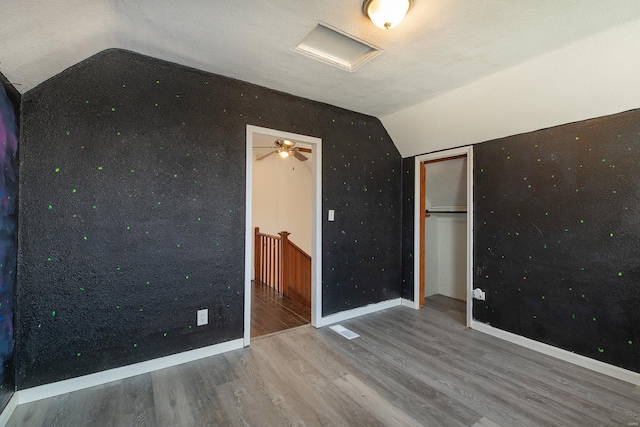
(348, 334)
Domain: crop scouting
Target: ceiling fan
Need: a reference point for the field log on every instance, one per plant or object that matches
(285, 148)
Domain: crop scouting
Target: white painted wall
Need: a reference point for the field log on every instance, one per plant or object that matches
(591, 77)
(282, 190)
(431, 257)
(452, 250)
(446, 256)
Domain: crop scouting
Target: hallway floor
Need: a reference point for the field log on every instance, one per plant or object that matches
(271, 312)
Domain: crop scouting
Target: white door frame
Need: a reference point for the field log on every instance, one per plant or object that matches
(468, 151)
(316, 224)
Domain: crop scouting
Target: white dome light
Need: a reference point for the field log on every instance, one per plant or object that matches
(386, 13)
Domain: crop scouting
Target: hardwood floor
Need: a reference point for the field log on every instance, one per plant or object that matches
(407, 368)
(271, 313)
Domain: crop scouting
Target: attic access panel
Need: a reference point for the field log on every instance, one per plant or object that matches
(336, 48)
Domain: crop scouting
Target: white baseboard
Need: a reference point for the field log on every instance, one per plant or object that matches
(408, 302)
(86, 381)
(558, 353)
(8, 410)
(356, 312)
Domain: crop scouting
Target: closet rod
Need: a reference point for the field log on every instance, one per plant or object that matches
(435, 212)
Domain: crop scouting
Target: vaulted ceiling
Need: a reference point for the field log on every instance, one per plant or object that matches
(454, 72)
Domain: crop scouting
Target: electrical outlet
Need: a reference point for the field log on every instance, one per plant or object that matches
(331, 215)
(203, 316)
(479, 294)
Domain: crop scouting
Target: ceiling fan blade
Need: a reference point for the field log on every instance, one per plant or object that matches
(264, 156)
(304, 150)
(299, 156)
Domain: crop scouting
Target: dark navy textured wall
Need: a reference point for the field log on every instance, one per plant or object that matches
(408, 194)
(132, 193)
(9, 106)
(362, 252)
(557, 236)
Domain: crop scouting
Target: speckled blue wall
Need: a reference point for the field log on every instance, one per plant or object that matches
(132, 193)
(557, 236)
(9, 106)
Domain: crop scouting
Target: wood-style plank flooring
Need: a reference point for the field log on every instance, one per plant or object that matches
(407, 368)
(271, 312)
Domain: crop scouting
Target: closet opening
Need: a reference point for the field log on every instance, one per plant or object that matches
(443, 232)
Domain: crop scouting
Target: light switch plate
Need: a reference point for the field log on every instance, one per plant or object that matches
(203, 317)
(331, 214)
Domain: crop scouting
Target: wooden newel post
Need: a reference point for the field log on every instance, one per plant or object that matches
(257, 256)
(284, 261)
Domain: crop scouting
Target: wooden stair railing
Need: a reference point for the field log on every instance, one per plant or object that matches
(282, 265)
(268, 249)
(296, 271)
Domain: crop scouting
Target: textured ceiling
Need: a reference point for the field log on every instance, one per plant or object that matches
(441, 45)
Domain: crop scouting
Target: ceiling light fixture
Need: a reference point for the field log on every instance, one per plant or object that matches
(284, 153)
(386, 13)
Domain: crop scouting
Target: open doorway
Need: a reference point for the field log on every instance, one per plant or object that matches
(283, 231)
(282, 187)
(444, 232)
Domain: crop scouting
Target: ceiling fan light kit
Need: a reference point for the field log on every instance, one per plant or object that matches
(285, 148)
(386, 14)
